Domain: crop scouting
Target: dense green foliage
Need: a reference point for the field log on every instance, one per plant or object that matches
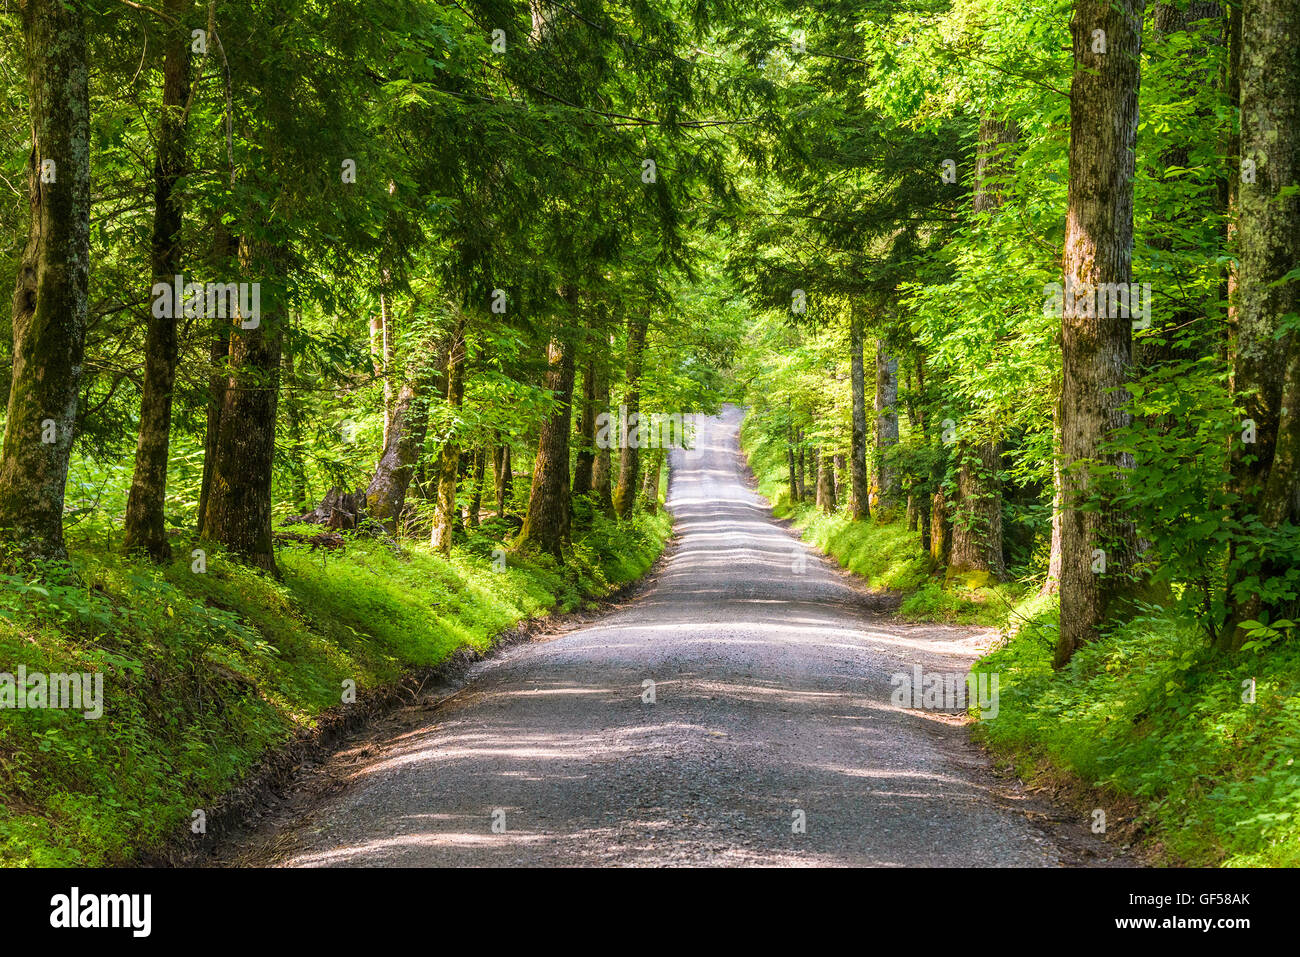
(1152, 714)
(477, 227)
(214, 669)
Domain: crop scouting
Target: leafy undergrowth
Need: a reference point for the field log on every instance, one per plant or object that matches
(884, 553)
(1150, 712)
(204, 672)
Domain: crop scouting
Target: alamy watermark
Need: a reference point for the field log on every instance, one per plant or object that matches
(74, 909)
(78, 691)
(930, 691)
(214, 300)
(654, 430)
(1107, 300)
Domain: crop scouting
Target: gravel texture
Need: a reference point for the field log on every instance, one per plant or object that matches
(772, 684)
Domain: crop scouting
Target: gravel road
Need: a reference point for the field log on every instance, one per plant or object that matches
(772, 705)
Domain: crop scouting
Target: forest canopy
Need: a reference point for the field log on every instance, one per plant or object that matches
(1018, 281)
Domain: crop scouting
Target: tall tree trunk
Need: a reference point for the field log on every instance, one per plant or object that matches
(386, 494)
(800, 466)
(474, 514)
(790, 463)
(144, 522)
(505, 480)
(826, 482)
(1266, 474)
(386, 345)
(297, 447)
(860, 492)
(1096, 351)
(585, 459)
(976, 509)
(629, 459)
(650, 487)
(445, 514)
(223, 248)
(602, 477)
(939, 528)
(917, 500)
(1052, 584)
(49, 305)
(238, 513)
(886, 427)
(977, 512)
(924, 507)
(546, 526)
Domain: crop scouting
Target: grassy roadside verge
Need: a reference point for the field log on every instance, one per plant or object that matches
(204, 672)
(1146, 725)
(1149, 715)
(885, 554)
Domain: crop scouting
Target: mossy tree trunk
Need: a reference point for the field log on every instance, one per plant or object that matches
(50, 296)
(144, 523)
(238, 512)
(546, 525)
(1266, 368)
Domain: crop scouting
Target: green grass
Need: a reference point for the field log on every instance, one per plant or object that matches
(1150, 713)
(884, 553)
(203, 673)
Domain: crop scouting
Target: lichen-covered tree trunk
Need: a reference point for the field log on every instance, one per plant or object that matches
(860, 481)
(886, 427)
(629, 458)
(546, 525)
(1266, 368)
(49, 305)
(238, 513)
(1096, 350)
(445, 513)
(143, 525)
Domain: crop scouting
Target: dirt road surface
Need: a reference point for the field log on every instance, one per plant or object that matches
(771, 673)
